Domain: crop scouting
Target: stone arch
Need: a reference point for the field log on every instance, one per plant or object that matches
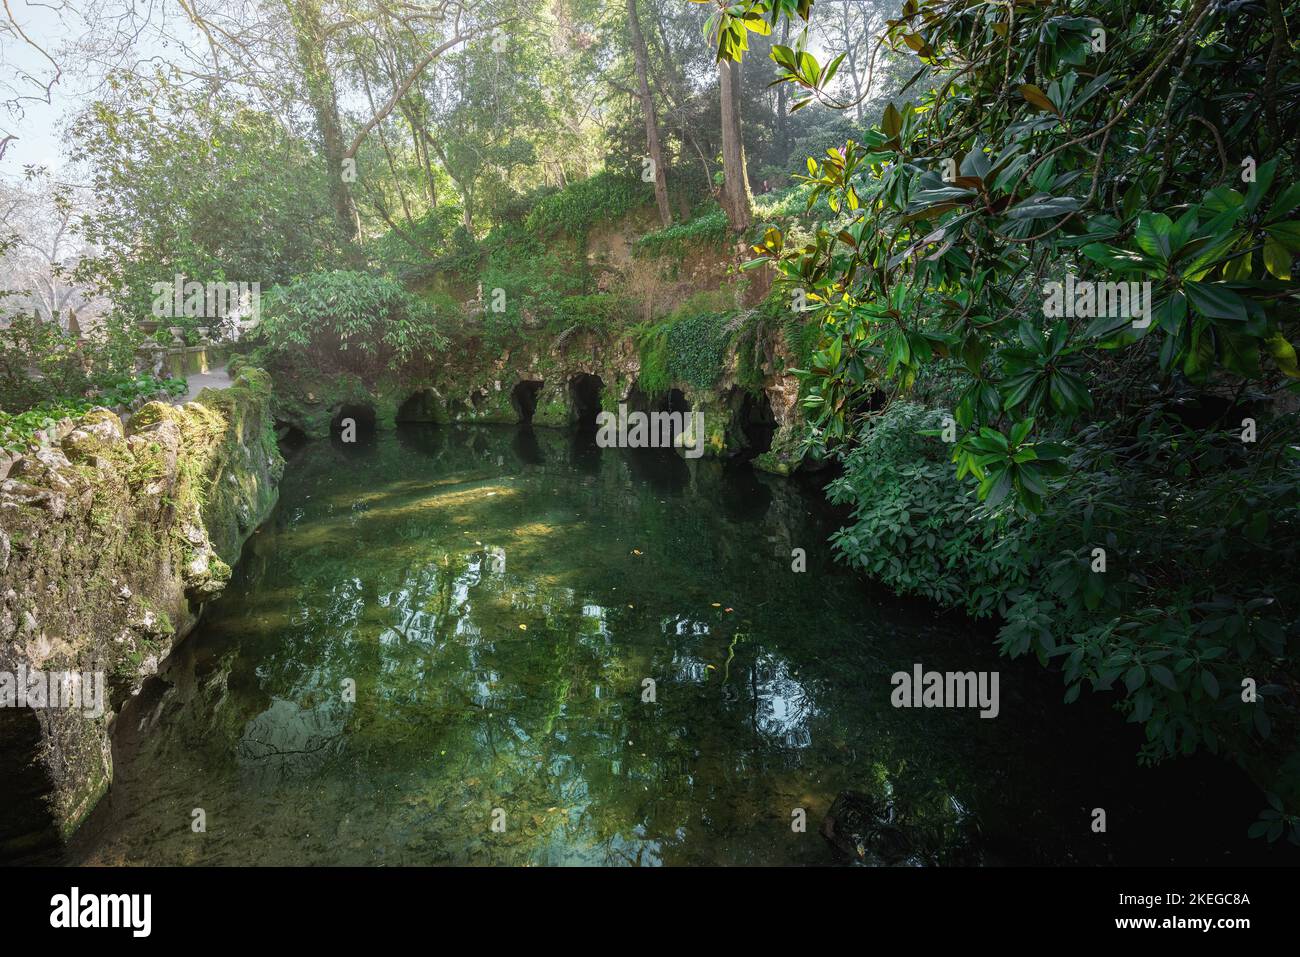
(753, 423)
(523, 398)
(585, 392)
(420, 406)
(361, 413)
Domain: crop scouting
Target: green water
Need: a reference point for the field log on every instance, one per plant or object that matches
(497, 598)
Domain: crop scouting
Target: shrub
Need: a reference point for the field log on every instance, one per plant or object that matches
(350, 321)
(571, 212)
(689, 346)
(40, 363)
(707, 229)
(1132, 579)
(916, 530)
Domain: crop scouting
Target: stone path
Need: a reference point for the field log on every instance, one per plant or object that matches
(212, 379)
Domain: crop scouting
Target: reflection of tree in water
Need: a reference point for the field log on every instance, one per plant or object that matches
(413, 582)
(287, 741)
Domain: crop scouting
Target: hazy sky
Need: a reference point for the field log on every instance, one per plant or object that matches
(56, 25)
(32, 121)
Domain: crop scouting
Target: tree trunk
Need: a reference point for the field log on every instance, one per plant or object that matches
(648, 111)
(309, 37)
(735, 183)
(782, 121)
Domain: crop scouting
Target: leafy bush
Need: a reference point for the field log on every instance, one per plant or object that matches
(198, 184)
(19, 432)
(916, 530)
(534, 277)
(40, 363)
(689, 346)
(707, 229)
(571, 212)
(351, 321)
(128, 391)
(1131, 579)
(1041, 158)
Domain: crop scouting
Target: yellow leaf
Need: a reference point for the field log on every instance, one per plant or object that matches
(1277, 259)
(1038, 98)
(1284, 355)
(1240, 267)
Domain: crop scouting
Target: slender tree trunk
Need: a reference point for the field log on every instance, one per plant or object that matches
(648, 110)
(309, 38)
(735, 184)
(782, 122)
(850, 44)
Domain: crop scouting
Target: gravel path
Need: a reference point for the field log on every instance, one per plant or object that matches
(212, 379)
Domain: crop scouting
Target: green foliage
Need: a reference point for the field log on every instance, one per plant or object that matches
(432, 244)
(760, 335)
(1036, 159)
(348, 321)
(536, 278)
(1192, 590)
(196, 185)
(131, 390)
(709, 229)
(40, 363)
(919, 266)
(602, 311)
(913, 527)
(572, 211)
(689, 346)
(18, 431)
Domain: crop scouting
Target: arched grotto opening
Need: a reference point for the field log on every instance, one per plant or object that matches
(478, 398)
(584, 401)
(289, 435)
(674, 401)
(523, 399)
(753, 424)
(355, 420)
(420, 406)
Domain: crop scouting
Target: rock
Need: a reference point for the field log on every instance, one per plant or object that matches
(99, 432)
(863, 831)
(15, 493)
(105, 571)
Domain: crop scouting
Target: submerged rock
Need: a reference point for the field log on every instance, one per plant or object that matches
(865, 830)
(862, 830)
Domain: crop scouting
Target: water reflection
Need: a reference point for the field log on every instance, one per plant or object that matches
(441, 623)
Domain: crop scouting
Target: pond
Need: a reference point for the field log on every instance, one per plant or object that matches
(437, 650)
